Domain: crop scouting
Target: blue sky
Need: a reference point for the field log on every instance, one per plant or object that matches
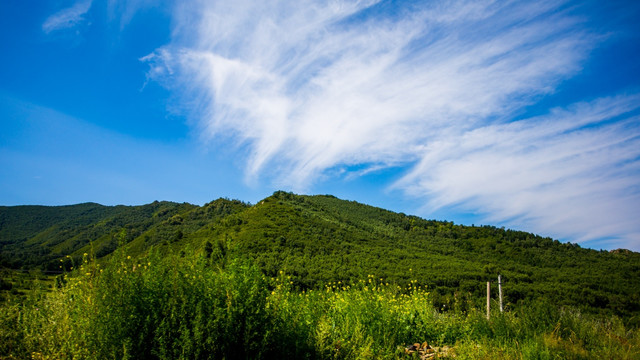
(523, 114)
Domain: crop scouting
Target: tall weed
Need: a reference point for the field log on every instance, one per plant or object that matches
(169, 307)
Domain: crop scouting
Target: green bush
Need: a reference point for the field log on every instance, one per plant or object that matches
(151, 308)
(168, 307)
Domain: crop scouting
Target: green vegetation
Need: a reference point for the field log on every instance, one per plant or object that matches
(300, 277)
(171, 307)
(18, 284)
(38, 236)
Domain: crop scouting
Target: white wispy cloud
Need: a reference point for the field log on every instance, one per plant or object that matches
(573, 173)
(310, 87)
(68, 17)
(313, 85)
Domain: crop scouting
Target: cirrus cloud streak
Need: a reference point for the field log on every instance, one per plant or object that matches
(68, 17)
(572, 173)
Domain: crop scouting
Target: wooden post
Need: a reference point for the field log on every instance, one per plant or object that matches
(488, 299)
(500, 291)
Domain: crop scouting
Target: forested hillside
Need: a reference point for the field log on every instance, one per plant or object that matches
(37, 236)
(322, 239)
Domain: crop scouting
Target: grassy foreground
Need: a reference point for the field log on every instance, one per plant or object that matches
(174, 308)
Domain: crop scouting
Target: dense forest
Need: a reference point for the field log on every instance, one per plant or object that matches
(321, 239)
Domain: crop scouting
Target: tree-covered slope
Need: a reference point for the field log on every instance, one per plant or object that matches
(36, 236)
(318, 239)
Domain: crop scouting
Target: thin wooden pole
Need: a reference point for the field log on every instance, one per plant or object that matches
(488, 299)
(500, 291)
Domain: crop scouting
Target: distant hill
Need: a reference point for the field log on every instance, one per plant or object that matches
(318, 239)
(36, 236)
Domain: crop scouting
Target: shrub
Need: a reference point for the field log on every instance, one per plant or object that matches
(170, 307)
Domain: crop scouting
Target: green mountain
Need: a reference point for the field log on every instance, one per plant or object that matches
(37, 236)
(319, 239)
